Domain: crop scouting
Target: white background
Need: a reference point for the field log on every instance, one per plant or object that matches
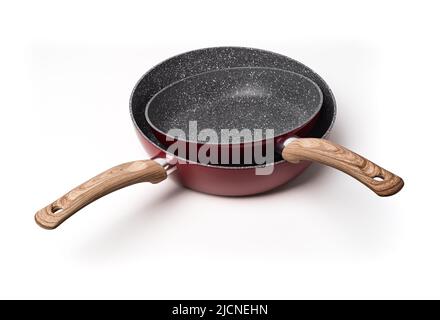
(67, 71)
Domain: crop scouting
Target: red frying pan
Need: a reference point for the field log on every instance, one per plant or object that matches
(244, 99)
(233, 180)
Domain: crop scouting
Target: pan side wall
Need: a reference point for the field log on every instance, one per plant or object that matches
(227, 181)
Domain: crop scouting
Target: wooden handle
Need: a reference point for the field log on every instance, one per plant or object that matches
(111, 180)
(381, 181)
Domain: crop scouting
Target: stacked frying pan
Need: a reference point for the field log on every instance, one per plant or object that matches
(204, 114)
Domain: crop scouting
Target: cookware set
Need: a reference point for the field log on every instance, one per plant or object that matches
(238, 100)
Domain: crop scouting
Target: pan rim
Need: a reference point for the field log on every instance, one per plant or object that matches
(142, 133)
(284, 133)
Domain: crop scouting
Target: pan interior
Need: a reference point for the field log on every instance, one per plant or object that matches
(236, 98)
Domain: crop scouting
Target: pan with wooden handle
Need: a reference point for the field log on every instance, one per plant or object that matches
(240, 99)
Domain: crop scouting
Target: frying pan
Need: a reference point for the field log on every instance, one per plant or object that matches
(247, 100)
(212, 179)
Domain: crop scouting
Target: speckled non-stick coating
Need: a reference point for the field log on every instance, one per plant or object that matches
(237, 98)
(203, 60)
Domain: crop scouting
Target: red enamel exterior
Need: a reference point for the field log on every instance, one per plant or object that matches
(226, 181)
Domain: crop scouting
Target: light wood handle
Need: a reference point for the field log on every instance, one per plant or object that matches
(381, 181)
(111, 180)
